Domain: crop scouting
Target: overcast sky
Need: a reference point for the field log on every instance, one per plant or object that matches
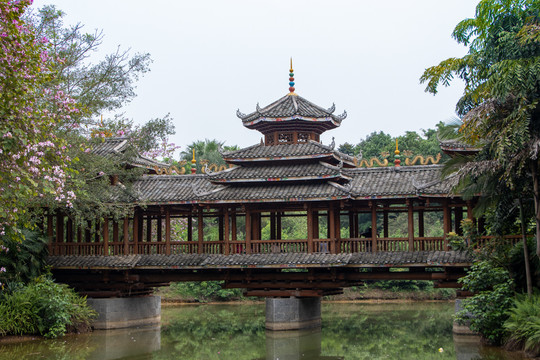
(211, 57)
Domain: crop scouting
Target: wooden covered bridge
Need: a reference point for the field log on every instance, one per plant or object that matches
(229, 224)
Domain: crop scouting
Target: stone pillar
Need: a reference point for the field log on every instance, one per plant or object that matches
(293, 313)
(116, 313)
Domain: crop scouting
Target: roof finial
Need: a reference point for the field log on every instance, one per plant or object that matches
(291, 80)
(397, 161)
(193, 163)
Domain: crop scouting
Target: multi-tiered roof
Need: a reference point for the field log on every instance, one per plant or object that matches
(291, 165)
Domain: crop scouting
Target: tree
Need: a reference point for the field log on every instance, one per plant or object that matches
(33, 159)
(105, 85)
(209, 150)
(500, 104)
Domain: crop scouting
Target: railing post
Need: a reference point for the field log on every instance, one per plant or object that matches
(167, 232)
(410, 227)
(106, 236)
(373, 206)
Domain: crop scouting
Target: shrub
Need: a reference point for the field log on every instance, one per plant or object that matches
(523, 324)
(42, 307)
(487, 309)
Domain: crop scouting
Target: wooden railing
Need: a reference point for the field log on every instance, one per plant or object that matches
(333, 246)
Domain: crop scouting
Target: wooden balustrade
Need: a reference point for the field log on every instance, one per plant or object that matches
(346, 245)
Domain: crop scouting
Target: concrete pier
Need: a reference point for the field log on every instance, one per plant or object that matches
(293, 313)
(461, 329)
(116, 313)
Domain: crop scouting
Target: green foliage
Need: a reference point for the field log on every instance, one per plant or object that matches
(205, 291)
(487, 309)
(523, 323)
(21, 261)
(42, 307)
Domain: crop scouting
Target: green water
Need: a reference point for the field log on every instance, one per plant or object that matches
(236, 332)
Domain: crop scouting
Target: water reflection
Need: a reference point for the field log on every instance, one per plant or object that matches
(236, 332)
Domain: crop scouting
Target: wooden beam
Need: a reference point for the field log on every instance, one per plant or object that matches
(200, 225)
(410, 225)
(167, 232)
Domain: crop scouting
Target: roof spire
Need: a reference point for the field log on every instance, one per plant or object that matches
(397, 161)
(291, 80)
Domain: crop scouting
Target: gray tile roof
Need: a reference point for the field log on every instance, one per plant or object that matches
(290, 106)
(413, 258)
(309, 150)
(117, 146)
(277, 172)
(397, 181)
(172, 188)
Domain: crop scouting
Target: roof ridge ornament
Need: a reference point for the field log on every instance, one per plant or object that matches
(291, 81)
(342, 116)
(332, 108)
(240, 114)
(333, 143)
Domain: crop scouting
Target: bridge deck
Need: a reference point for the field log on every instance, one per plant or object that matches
(216, 261)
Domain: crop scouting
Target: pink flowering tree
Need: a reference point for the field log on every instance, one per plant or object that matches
(34, 162)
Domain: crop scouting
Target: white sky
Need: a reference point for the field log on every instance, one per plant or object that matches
(211, 57)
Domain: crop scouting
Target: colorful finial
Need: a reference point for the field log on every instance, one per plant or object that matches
(397, 161)
(291, 79)
(193, 163)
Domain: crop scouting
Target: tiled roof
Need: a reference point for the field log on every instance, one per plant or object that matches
(308, 150)
(293, 107)
(397, 181)
(277, 172)
(117, 146)
(172, 188)
(453, 144)
(413, 258)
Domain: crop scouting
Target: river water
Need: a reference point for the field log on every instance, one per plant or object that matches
(236, 332)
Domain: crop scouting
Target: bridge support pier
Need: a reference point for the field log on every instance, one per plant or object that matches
(116, 313)
(293, 313)
(459, 329)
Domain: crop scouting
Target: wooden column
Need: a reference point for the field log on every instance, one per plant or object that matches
(136, 219)
(50, 233)
(190, 226)
(355, 222)
(272, 226)
(248, 231)
(351, 224)
(200, 223)
(69, 230)
(256, 226)
(226, 246)
(233, 226)
(315, 224)
(160, 227)
(410, 227)
(87, 233)
(168, 232)
(421, 230)
(115, 231)
(332, 228)
(309, 230)
(126, 236)
(373, 206)
(470, 215)
(221, 228)
(278, 226)
(148, 228)
(458, 216)
(447, 223)
(59, 231)
(106, 236)
(337, 230)
(385, 223)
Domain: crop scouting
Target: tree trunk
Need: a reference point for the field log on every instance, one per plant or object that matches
(525, 249)
(536, 192)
